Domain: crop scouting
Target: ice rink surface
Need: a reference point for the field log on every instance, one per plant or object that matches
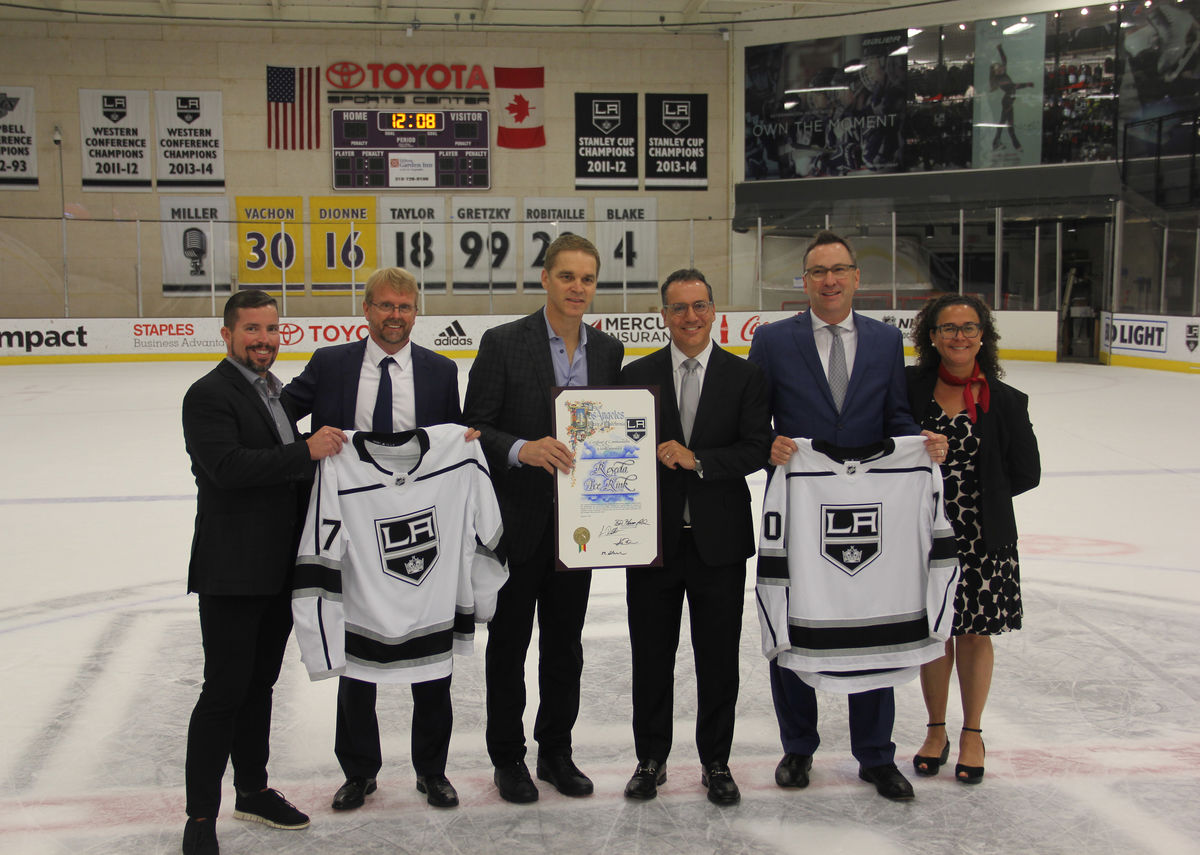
(1093, 727)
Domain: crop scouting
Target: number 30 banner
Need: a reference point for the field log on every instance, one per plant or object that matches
(271, 241)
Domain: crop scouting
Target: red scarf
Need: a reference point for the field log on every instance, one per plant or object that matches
(985, 394)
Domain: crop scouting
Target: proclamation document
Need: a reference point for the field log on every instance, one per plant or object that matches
(607, 507)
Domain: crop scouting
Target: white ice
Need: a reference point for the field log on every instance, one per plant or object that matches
(1091, 729)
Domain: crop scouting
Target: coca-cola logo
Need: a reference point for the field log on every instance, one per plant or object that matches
(748, 328)
(345, 75)
(291, 333)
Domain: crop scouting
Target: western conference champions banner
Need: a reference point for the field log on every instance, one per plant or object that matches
(606, 141)
(1009, 81)
(114, 128)
(676, 142)
(18, 139)
(191, 151)
(195, 244)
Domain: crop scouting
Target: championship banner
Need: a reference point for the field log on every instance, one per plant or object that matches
(606, 146)
(342, 231)
(191, 149)
(545, 219)
(195, 244)
(627, 239)
(677, 142)
(114, 127)
(18, 139)
(412, 235)
(484, 252)
(270, 242)
(1009, 82)
(810, 114)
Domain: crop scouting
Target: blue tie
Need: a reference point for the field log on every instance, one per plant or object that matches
(381, 419)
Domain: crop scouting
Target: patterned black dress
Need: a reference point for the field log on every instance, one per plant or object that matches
(988, 601)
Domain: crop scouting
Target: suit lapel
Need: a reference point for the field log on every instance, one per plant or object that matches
(672, 428)
(254, 400)
(421, 381)
(351, 368)
(806, 343)
(710, 394)
(864, 349)
(538, 344)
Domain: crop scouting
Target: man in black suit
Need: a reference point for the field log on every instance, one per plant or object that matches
(348, 387)
(252, 477)
(714, 430)
(508, 400)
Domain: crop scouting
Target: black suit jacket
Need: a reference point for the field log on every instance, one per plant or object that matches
(328, 386)
(251, 488)
(1008, 463)
(732, 438)
(508, 398)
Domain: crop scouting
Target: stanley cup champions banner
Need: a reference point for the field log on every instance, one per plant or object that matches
(606, 143)
(677, 142)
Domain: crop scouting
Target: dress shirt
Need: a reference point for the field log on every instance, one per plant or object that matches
(677, 369)
(404, 398)
(268, 387)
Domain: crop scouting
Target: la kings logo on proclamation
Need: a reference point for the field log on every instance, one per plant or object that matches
(408, 545)
(851, 535)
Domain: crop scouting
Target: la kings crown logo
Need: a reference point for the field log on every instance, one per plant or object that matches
(851, 535)
(408, 545)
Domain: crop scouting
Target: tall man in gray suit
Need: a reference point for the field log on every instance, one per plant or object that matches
(384, 383)
(509, 401)
(713, 431)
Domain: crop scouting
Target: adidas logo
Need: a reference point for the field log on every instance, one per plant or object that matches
(452, 336)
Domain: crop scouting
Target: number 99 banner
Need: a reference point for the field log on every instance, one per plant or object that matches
(268, 254)
(484, 239)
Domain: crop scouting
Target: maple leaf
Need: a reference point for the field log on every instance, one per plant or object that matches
(519, 108)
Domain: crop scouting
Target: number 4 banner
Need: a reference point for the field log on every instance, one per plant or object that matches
(343, 236)
(627, 239)
(270, 242)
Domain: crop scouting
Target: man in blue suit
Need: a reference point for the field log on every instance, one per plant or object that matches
(837, 376)
(384, 383)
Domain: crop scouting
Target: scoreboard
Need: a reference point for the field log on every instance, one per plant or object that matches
(417, 149)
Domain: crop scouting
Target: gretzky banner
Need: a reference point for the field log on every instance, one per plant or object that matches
(677, 142)
(195, 244)
(606, 144)
(114, 126)
(18, 139)
(191, 151)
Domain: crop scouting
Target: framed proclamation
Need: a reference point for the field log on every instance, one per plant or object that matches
(606, 510)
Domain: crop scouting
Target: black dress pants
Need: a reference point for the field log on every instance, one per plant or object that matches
(356, 742)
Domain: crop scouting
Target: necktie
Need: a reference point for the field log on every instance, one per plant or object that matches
(381, 418)
(839, 378)
(689, 396)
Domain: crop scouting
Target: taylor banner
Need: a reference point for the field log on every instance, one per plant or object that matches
(191, 151)
(18, 139)
(114, 126)
(677, 142)
(195, 244)
(606, 143)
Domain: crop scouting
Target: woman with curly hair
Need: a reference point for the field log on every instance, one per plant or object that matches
(955, 389)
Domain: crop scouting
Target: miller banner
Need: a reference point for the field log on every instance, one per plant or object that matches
(190, 149)
(114, 126)
(677, 142)
(606, 144)
(195, 244)
(18, 131)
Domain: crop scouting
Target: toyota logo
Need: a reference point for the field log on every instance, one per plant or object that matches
(345, 75)
(291, 333)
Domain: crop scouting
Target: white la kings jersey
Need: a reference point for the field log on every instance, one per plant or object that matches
(398, 559)
(857, 566)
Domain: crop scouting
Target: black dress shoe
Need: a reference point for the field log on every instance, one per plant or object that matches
(722, 790)
(515, 785)
(560, 771)
(438, 790)
(353, 793)
(792, 770)
(888, 780)
(647, 778)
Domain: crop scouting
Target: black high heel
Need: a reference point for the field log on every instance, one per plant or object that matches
(931, 765)
(970, 774)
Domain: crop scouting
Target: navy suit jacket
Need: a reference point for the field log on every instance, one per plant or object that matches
(251, 488)
(876, 404)
(328, 386)
(732, 438)
(508, 398)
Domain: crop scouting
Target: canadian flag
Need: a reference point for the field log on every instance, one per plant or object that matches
(519, 94)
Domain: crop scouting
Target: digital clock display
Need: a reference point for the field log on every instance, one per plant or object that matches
(412, 121)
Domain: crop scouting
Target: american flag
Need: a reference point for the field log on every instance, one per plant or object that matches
(293, 119)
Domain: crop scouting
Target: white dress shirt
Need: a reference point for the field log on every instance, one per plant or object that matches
(404, 398)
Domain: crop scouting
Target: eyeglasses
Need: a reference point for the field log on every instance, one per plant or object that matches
(969, 330)
(678, 310)
(841, 272)
(388, 308)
